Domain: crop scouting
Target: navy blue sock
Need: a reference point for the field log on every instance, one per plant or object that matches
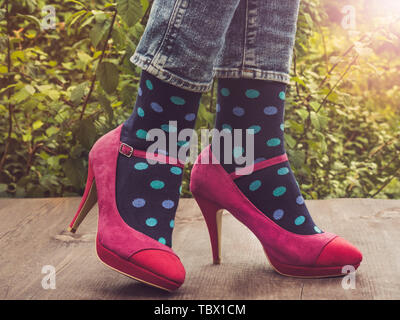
(148, 194)
(259, 105)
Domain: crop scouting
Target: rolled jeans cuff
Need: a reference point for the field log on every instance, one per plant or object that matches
(252, 73)
(146, 64)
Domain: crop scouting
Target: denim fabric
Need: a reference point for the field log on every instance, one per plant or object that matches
(189, 42)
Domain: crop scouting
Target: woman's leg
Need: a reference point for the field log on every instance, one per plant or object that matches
(176, 53)
(251, 93)
(182, 40)
(253, 70)
(259, 41)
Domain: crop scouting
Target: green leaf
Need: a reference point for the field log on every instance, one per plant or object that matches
(309, 20)
(128, 92)
(291, 142)
(74, 18)
(86, 133)
(77, 2)
(106, 104)
(84, 57)
(302, 113)
(98, 32)
(315, 120)
(75, 172)
(297, 158)
(108, 75)
(78, 93)
(37, 124)
(315, 105)
(32, 19)
(24, 93)
(130, 11)
(3, 187)
(52, 130)
(298, 80)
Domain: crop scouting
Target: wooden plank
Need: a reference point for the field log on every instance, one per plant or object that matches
(32, 234)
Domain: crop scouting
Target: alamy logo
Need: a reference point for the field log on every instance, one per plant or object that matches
(184, 145)
(49, 280)
(349, 280)
(349, 18)
(49, 20)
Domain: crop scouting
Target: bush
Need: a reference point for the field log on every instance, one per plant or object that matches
(61, 89)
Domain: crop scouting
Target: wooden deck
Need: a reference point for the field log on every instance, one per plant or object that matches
(32, 234)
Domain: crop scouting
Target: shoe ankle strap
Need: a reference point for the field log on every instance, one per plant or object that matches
(258, 166)
(129, 151)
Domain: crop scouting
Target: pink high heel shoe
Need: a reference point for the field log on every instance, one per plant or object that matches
(119, 246)
(314, 256)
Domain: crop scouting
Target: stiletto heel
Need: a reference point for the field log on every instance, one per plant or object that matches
(89, 199)
(213, 216)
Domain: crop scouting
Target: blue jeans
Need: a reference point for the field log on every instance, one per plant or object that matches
(189, 42)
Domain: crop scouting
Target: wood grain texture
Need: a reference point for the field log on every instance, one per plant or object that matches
(32, 234)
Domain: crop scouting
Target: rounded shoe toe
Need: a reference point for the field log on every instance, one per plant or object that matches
(161, 263)
(339, 252)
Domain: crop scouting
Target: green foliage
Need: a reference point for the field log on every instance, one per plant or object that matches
(62, 89)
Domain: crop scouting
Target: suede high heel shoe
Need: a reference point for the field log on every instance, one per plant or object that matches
(313, 256)
(119, 246)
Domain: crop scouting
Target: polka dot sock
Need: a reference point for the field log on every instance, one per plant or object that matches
(259, 105)
(148, 194)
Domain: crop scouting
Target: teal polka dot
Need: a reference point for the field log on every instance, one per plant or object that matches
(151, 222)
(176, 170)
(282, 126)
(149, 85)
(182, 143)
(168, 128)
(283, 171)
(255, 185)
(180, 189)
(140, 112)
(157, 184)
(141, 134)
(226, 127)
(178, 100)
(282, 95)
(172, 223)
(237, 151)
(317, 230)
(252, 93)
(256, 128)
(141, 166)
(299, 220)
(225, 92)
(162, 240)
(273, 142)
(279, 191)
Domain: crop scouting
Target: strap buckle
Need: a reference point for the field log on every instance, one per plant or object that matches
(125, 149)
